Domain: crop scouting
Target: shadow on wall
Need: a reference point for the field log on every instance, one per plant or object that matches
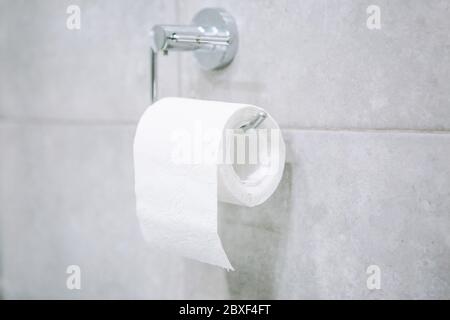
(252, 238)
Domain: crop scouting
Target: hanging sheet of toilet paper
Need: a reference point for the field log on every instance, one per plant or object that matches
(182, 171)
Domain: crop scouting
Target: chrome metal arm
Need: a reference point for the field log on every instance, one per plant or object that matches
(212, 36)
(153, 75)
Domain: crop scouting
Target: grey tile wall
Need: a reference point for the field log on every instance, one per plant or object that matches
(98, 72)
(316, 64)
(367, 179)
(348, 200)
(68, 199)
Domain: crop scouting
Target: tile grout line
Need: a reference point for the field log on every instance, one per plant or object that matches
(34, 121)
(369, 130)
(61, 122)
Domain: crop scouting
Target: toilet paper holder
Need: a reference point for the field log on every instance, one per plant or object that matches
(212, 36)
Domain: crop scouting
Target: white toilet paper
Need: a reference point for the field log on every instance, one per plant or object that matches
(187, 156)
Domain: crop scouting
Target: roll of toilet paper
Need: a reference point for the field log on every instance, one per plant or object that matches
(188, 155)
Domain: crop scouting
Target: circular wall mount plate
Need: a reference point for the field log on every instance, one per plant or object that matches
(216, 21)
